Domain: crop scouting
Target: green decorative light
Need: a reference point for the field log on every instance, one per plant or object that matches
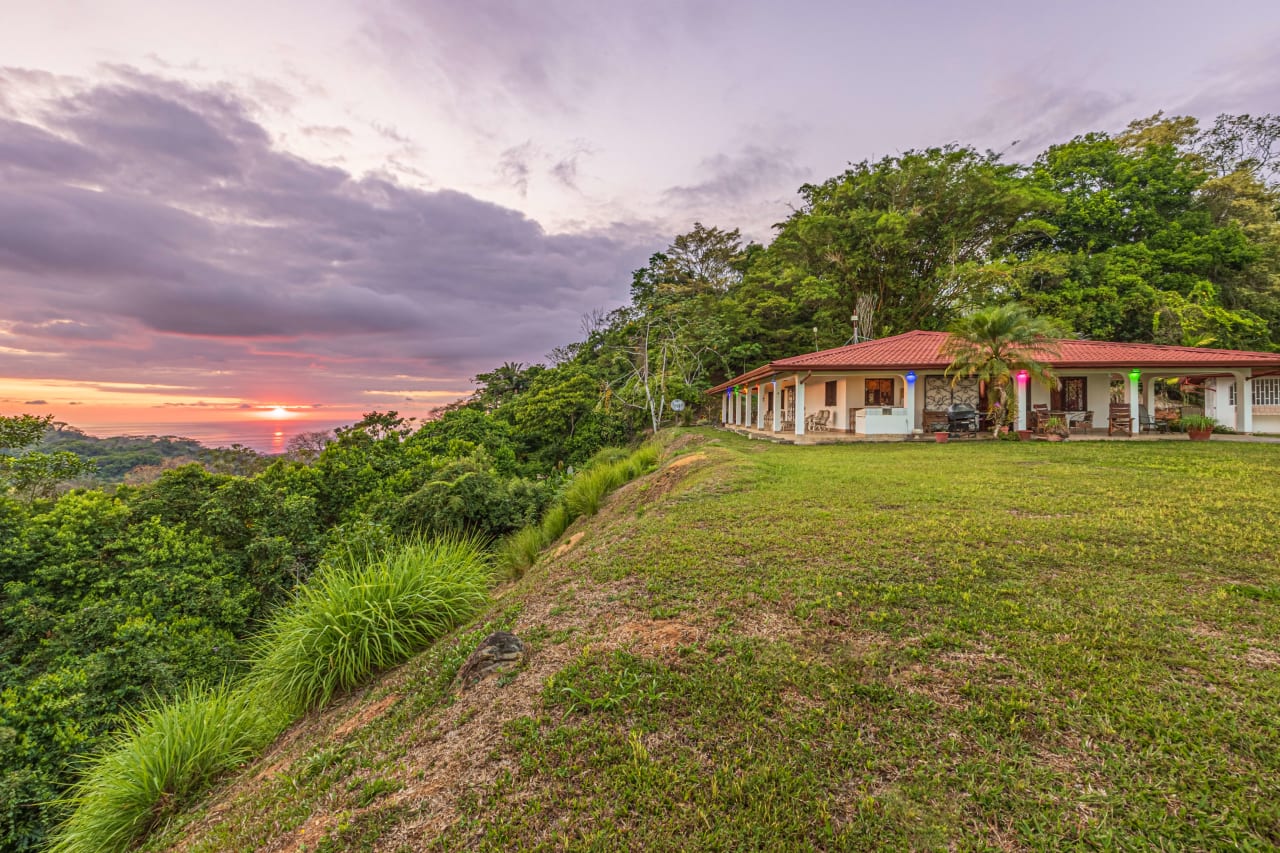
(1135, 374)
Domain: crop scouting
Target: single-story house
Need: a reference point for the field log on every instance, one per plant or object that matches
(898, 386)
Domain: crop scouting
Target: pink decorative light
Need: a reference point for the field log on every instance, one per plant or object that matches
(1022, 376)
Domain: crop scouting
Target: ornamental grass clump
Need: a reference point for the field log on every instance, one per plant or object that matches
(606, 456)
(153, 767)
(607, 470)
(520, 550)
(355, 618)
(645, 459)
(555, 523)
(588, 490)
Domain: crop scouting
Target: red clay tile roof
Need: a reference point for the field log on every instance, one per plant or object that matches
(922, 350)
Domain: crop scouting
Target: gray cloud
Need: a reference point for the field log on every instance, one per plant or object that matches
(749, 186)
(541, 56)
(1250, 78)
(514, 166)
(147, 222)
(1033, 113)
(739, 177)
(565, 169)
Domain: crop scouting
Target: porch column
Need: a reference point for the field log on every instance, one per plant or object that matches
(910, 379)
(777, 407)
(1020, 398)
(760, 406)
(1149, 396)
(799, 405)
(749, 395)
(1244, 402)
(737, 408)
(724, 409)
(1134, 423)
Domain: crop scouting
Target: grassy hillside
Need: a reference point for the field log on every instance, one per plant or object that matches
(979, 646)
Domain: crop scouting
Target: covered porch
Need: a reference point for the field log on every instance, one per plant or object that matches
(897, 388)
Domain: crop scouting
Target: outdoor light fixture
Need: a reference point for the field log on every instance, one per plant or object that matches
(1022, 376)
(1135, 374)
(911, 377)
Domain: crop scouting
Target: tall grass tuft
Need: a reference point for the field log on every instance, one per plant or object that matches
(606, 456)
(363, 615)
(646, 456)
(520, 550)
(151, 768)
(555, 522)
(588, 489)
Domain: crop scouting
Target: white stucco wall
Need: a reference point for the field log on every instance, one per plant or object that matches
(1217, 405)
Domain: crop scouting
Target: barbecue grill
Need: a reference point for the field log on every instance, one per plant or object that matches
(961, 417)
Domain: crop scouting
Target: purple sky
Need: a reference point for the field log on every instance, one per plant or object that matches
(208, 208)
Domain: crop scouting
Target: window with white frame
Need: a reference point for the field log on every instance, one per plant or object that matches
(1266, 391)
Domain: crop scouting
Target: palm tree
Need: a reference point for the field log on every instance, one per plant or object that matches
(993, 344)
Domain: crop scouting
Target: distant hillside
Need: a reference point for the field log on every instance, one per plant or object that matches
(991, 646)
(117, 456)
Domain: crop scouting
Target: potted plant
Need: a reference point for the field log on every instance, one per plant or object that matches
(941, 437)
(1198, 427)
(1055, 429)
(1024, 435)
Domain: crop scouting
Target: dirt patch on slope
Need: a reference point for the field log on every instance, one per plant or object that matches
(367, 714)
(566, 546)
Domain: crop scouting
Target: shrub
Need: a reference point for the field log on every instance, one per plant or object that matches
(465, 497)
(161, 759)
(520, 550)
(373, 612)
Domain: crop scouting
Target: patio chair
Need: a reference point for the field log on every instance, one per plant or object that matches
(1120, 419)
(1037, 417)
(1146, 423)
(817, 422)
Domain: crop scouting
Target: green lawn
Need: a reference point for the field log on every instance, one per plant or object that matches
(968, 646)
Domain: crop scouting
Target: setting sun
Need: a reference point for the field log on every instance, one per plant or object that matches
(277, 413)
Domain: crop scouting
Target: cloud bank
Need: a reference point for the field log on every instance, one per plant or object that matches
(150, 224)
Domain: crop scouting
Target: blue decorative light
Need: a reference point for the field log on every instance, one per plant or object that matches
(911, 377)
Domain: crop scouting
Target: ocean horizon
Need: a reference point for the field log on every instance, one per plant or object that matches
(264, 436)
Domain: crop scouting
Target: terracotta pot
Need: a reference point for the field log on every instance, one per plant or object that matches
(1053, 436)
(1199, 434)
(941, 437)
(1024, 435)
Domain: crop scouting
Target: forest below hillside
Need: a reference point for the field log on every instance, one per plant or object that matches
(161, 573)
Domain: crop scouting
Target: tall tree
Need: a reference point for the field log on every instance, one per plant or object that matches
(705, 260)
(920, 234)
(1136, 251)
